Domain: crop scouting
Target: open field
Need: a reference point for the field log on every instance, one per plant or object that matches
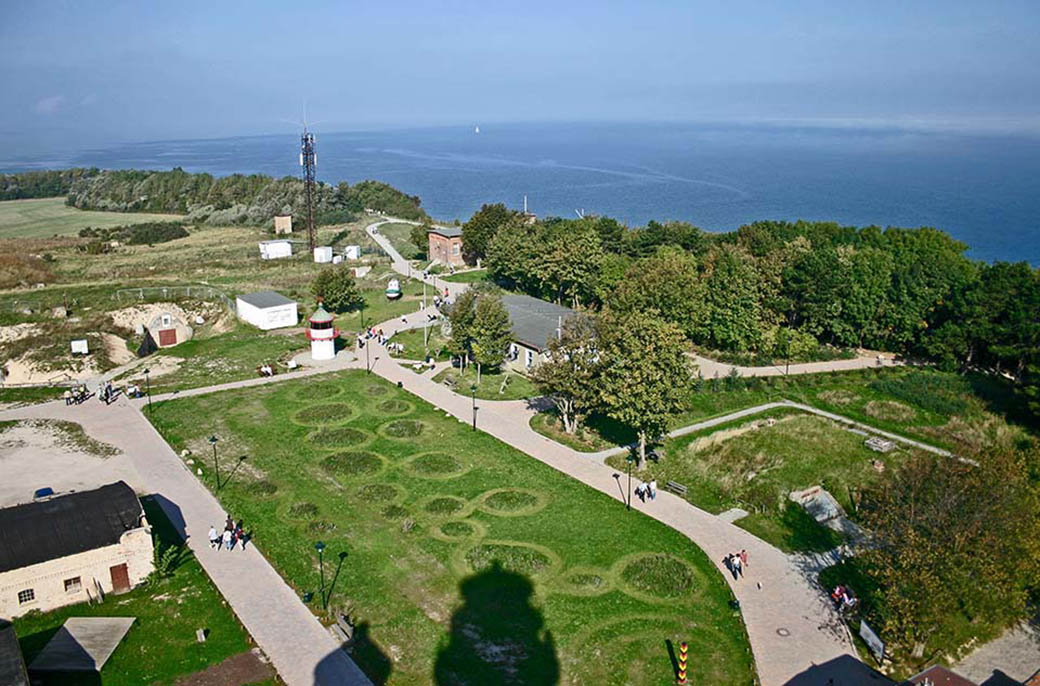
(463, 557)
(517, 386)
(50, 217)
(400, 237)
(161, 645)
(756, 462)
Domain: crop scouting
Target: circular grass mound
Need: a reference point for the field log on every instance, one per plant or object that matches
(445, 505)
(303, 510)
(514, 557)
(337, 437)
(375, 390)
(658, 575)
(262, 487)
(320, 526)
(353, 463)
(436, 465)
(889, 410)
(457, 529)
(394, 512)
(403, 428)
(326, 413)
(378, 493)
(510, 501)
(394, 406)
(318, 389)
(586, 580)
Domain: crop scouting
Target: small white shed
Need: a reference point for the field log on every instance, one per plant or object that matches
(273, 250)
(266, 310)
(353, 252)
(323, 253)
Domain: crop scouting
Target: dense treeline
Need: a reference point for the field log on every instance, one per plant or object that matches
(778, 289)
(148, 233)
(42, 184)
(237, 199)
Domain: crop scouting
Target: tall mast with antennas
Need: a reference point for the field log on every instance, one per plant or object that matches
(308, 160)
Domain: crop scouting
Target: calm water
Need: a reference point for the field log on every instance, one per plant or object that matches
(984, 190)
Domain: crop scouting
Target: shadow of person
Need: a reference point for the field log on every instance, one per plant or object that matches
(497, 636)
(370, 657)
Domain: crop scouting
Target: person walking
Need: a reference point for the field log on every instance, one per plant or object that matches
(68, 397)
(652, 489)
(743, 559)
(738, 568)
(229, 539)
(214, 538)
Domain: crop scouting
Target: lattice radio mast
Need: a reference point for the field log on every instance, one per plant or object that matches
(308, 160)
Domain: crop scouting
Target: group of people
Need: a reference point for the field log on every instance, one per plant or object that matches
(232, 535)
(74, 396)
(646, 490)
(266, 370)
(107, 393)
(736, 563)
(843, 597)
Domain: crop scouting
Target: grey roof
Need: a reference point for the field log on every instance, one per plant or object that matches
(534, 321)
(446, 231)
(12, 668)
(66, 525)
(264, 299)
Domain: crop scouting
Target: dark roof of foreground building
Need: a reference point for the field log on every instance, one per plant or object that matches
(534, 321)
(264, 299)
(68, 524)
(937, 675)
(446, 231)
(12, 667)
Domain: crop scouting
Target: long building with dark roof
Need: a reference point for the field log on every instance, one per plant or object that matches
(71, 548)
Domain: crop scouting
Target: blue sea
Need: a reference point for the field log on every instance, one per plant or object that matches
(984, 189)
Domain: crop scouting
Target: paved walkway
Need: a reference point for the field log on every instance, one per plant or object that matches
(300, 648)
(709, 368)
(403, 266)
(1016, 654)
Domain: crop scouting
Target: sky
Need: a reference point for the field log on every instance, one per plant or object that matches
(82, 73)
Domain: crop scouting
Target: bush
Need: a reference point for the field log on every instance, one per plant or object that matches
(148, 233)
(337, 288)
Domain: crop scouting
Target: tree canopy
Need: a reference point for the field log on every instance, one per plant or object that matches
(479, 231)
(336, 286)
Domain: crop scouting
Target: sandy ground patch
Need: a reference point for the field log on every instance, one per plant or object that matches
(33, 457)
(9, 334)
(117, 350)
(215, 316)
(22, 370)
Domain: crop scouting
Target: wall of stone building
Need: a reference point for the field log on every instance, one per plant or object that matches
(446, 250)
(516, 358)
(47, 579)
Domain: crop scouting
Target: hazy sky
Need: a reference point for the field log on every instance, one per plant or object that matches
(85, 72)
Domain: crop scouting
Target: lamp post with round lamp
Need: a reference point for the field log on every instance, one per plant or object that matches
(473, 390)
(320, 547)
(148, 388)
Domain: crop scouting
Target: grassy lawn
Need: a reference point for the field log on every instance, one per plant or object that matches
(29, 394)
(379, 309)
(517, 386)
(49, 217)
(413, 343)
(160, 645)
(755, 463)
(460, 551)
(399, 236)
(586, 437)
(471, 276)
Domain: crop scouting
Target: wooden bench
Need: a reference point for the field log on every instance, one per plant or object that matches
(676, 488)
(343, 630)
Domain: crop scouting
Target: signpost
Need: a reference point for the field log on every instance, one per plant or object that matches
(873, 641)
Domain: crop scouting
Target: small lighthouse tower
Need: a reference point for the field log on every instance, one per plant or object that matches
(322, 334)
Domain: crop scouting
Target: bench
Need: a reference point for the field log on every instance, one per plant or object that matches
(676, 488)
(343, 630)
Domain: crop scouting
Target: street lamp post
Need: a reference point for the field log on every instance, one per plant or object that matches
(148, 389)
(216, 466)
(628, 500)
(320, 547)
(473, 390)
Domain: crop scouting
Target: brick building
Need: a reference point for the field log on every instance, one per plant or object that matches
(446, 245)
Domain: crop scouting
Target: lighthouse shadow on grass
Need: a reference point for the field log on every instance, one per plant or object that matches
(497, 636)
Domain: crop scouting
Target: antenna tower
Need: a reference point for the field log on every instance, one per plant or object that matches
(308, 160)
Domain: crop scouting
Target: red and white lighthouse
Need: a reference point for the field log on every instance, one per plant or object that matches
(322, 334)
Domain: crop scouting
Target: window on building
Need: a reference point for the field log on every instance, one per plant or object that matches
(166, 320)
(72, 585)
(26, 596)
(455, 249)
(529, 359)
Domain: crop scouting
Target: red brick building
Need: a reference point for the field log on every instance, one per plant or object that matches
(446, 245)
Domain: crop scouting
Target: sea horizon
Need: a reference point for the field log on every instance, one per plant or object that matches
(979, 186)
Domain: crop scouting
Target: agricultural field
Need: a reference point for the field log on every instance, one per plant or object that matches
(460, 556)
(44, 217)
(160, 647)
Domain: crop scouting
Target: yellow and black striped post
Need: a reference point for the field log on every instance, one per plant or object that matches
(683, 652)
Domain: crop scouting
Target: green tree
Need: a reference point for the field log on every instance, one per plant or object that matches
(734, 321)
(512, 256)
(478, 232)
(419, 237)
(490, 332)
(646, 373)
(567, 261)
(668, 283)
(336, 286)
(952, 542)
(461, 317)
(570, 374)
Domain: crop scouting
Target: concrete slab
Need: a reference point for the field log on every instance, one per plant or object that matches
(82, 644)
(733, 514)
